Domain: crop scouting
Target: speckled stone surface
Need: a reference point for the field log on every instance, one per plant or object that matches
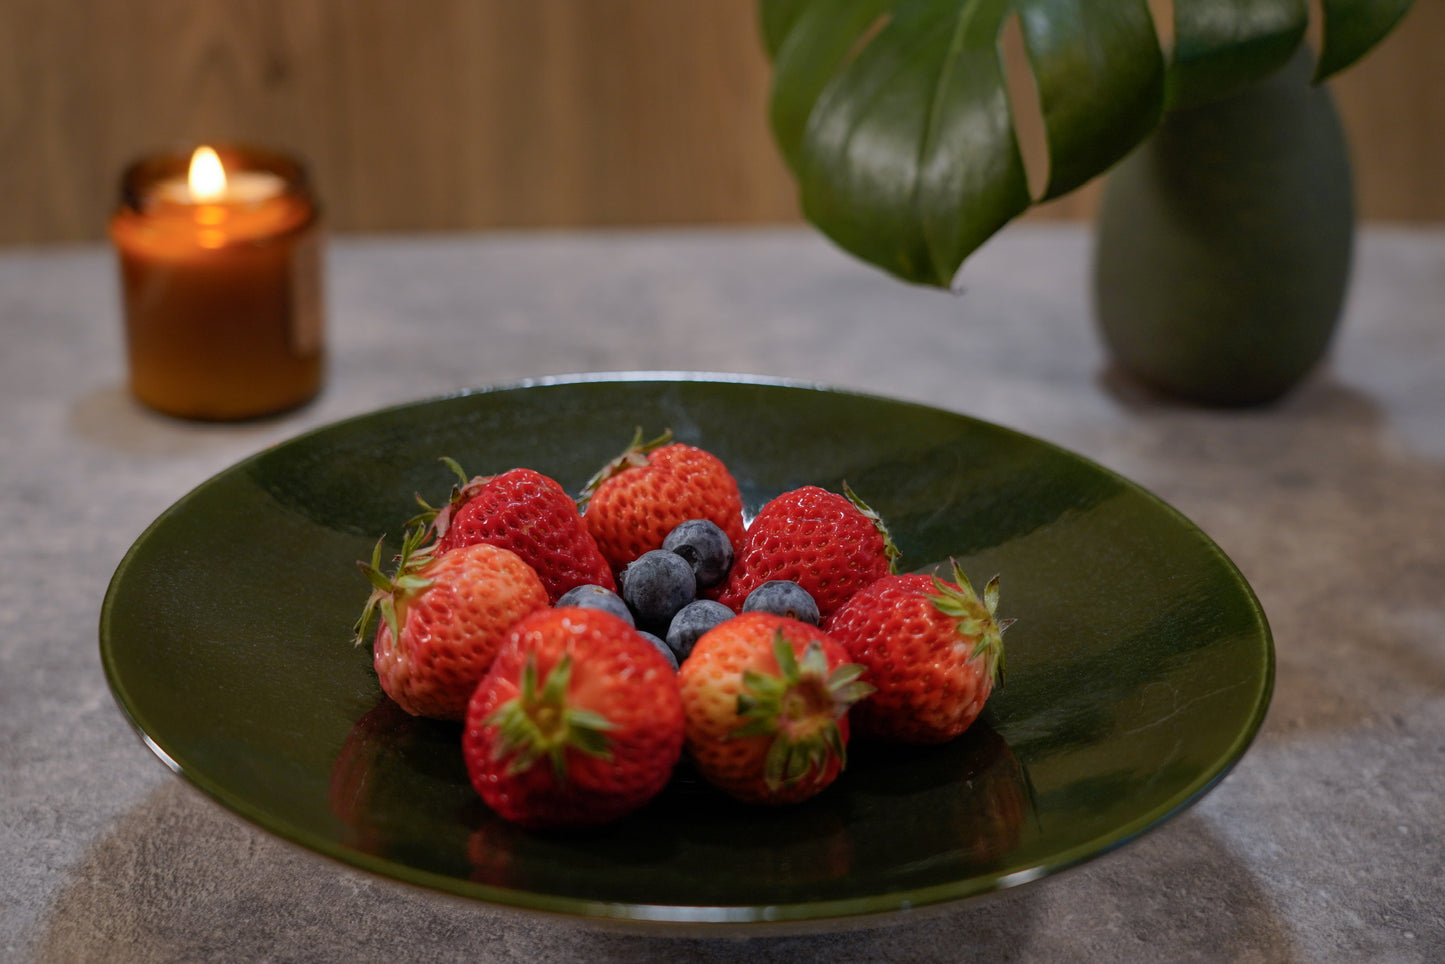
(1324, 844)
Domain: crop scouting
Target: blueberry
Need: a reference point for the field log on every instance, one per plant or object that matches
(596, 597)
(656, 585)
(662, 647)
(705, 547)
(691, 622)
(783, 597)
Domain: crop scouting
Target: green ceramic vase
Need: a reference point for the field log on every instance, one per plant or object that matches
(1224, 245)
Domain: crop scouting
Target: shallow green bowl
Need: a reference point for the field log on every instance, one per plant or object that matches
(1139, 670)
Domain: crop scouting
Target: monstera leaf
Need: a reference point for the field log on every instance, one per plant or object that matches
(895, 116)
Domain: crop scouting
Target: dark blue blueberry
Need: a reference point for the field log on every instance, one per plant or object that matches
(662, 648)
(691, 622)
(783, 597)
(596, 597)
(656, 585)
(705, 547)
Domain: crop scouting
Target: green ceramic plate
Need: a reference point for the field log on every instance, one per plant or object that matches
(1138, 672)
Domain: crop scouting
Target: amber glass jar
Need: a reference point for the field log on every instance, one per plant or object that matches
(221, 284)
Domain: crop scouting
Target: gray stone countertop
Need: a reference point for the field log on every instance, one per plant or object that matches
(1323, 844)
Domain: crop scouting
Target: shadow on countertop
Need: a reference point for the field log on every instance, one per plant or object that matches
(180, 879)
(110, 418)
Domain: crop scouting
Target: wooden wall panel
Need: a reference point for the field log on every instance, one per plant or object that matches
(1393, 106)
(441, 114)
(457, 114)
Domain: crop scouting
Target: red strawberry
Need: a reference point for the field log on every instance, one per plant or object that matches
(530, 514)
(829, 544)
(934, 649)
(443, 617)
(766, 699)
(650, 489)
(579, 721)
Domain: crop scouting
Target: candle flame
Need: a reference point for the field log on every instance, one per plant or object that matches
(207, 179)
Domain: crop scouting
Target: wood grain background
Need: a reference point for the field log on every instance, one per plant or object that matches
(462, 114)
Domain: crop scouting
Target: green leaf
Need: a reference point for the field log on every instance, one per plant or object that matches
(1100, 75)
(1352, 28)
(895, 116)
(776, 21)
(908, 159)
(810, 43)
(1222, 46)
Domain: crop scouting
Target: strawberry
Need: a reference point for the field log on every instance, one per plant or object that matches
(443, 616)
(635, 500)
(528, 513)
(934, 649)
(578, 722)
(767, 699)
(832, 545)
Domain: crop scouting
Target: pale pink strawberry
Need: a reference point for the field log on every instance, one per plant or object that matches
(443, 619)
(767, 701)
(637, 499)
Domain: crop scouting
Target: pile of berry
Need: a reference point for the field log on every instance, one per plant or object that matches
(587, 644)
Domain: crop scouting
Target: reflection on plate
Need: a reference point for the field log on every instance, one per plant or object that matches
(1138, 672)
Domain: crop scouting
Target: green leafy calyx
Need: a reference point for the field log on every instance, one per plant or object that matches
(975, 618)
(799, 708)
(437, 519)
(889, 548)
(389, 593)
(634, 456)
(540, 723)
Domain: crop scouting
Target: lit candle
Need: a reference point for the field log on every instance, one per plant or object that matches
(220, 270)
